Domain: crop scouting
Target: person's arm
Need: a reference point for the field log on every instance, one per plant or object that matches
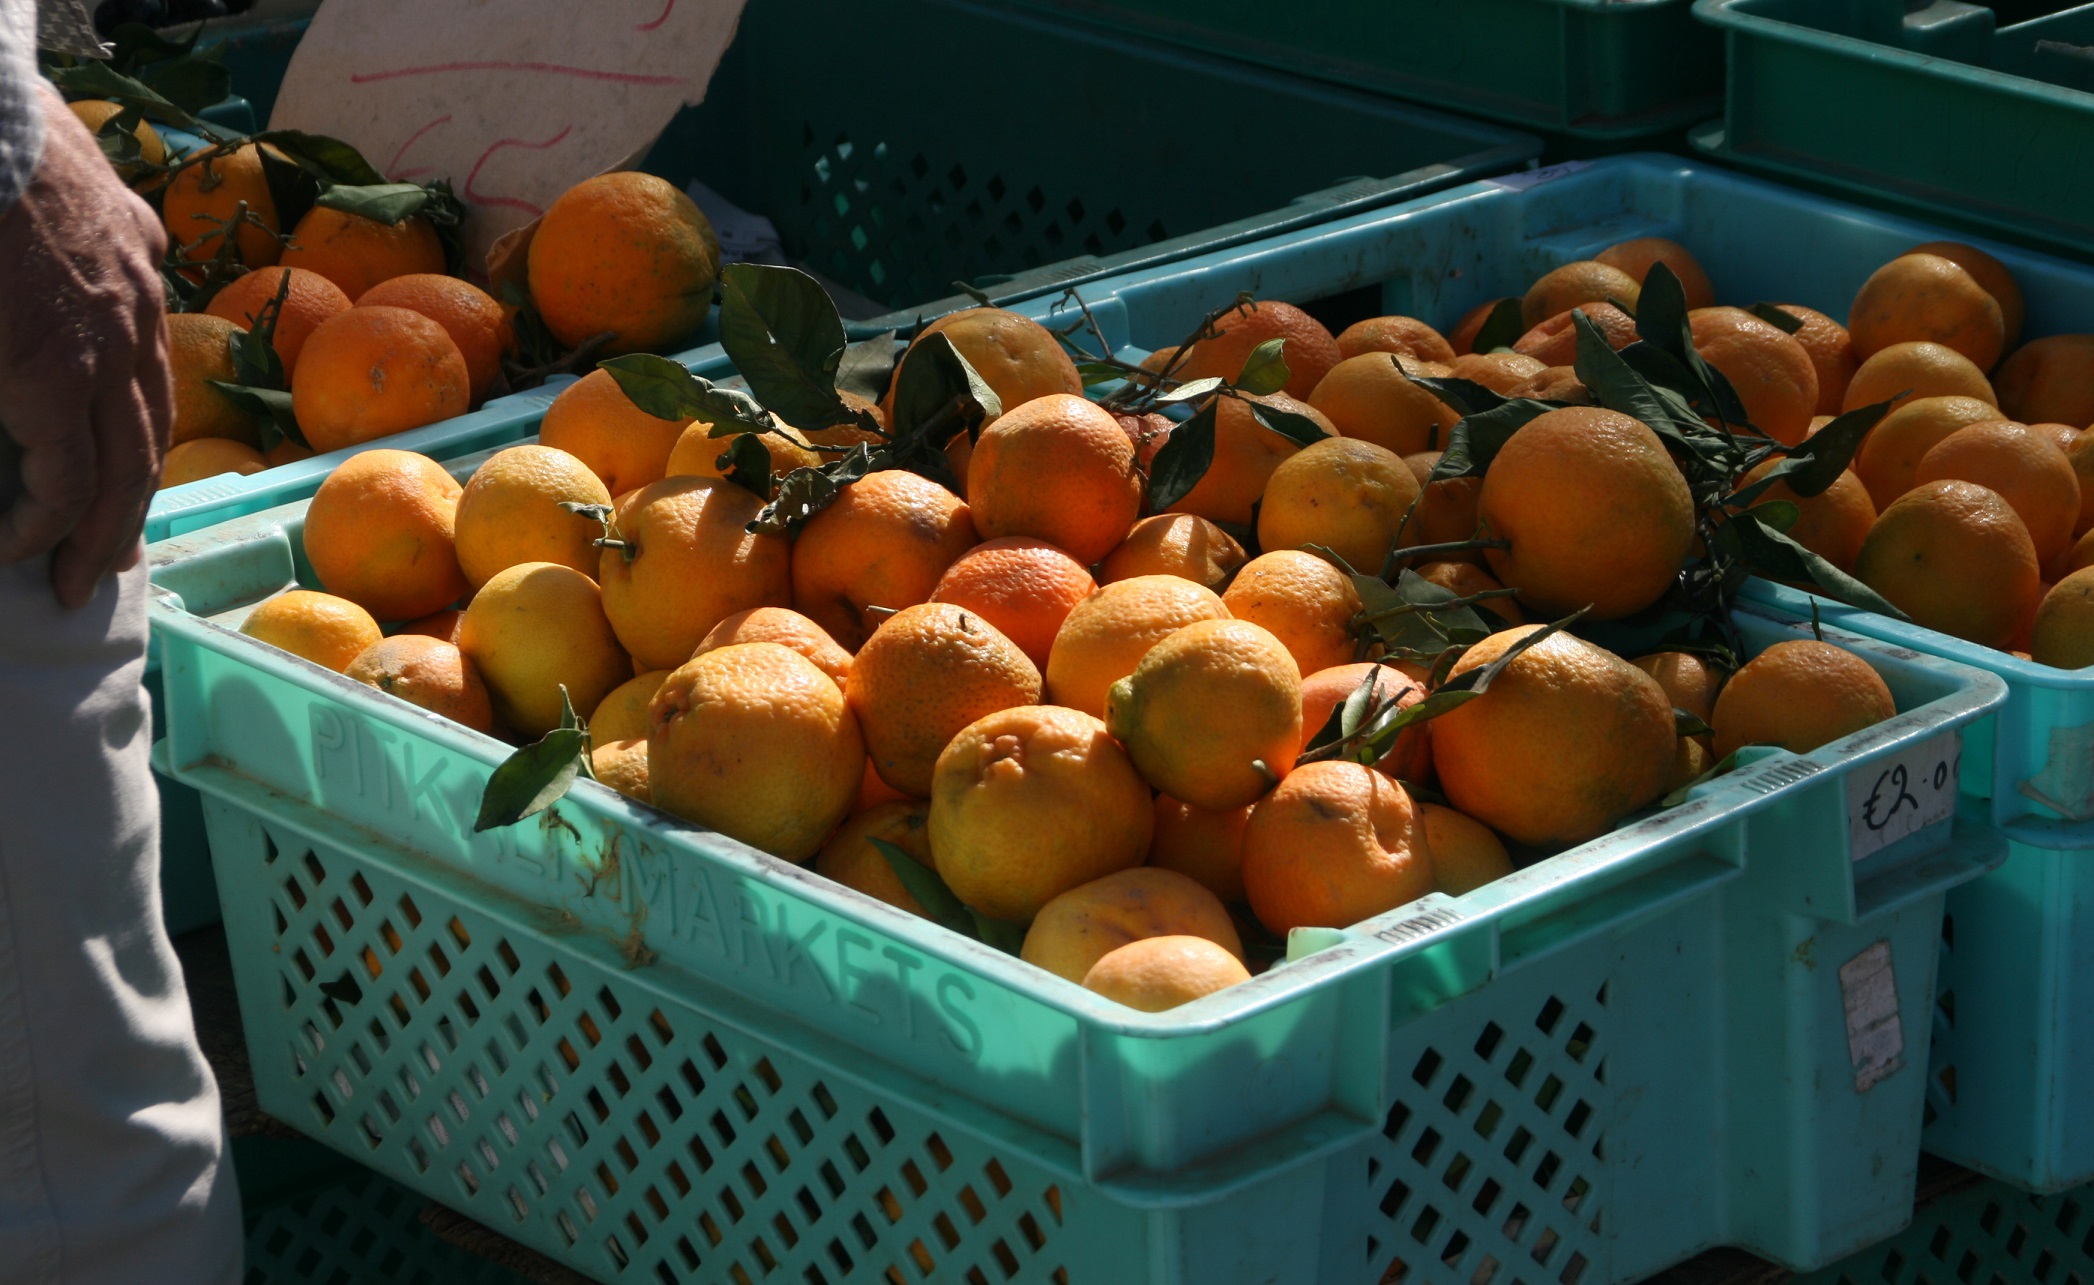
(84, 385)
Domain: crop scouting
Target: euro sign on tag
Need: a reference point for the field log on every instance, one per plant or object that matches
(1902, 793)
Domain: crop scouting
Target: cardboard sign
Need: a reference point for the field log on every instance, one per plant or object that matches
(513, 101)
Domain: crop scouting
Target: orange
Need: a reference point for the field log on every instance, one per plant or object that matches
(926, 672)
(1106, 635)
(469, 315)
(202, 197)
(1083, 925)
(2081, 454)
(2050, 379)
(379, 532)
(437, 624)
(1060, 469)
(1466, 580)
(1030, 802)
(850, 859)
(2063, 436)
(1773, 375)
(1346, 495)
(1465, 853)
(1501, 372)
(202, 457)
(1924, 297)
(755, 742)
(698, 453)
(1024, 588)
(1909, 371)
(428, 672)
(622, 765)
(2081, 554)
(357, 253)
(872, 791)
(593, 420)
(1799, 695)
(689, 562)
(1333, 844)
(1690, 682)
(2063, 631)
(1832, 523)
(1206, 847)
(372, 372)
(331, 632)
(1832, 355)
(1587, 281)
(152, 150)
(1595, 511)
(1955, 557)
(311, 300)
(1245, 455)
(883, 542)
(1307, 603)
(1568, 741)
(1148, 432)
(1157, 974)
(1404, 336)
(1175, 544)
(1636, 257)
(625, 254)
(1446, 509)
(1991, 274)
(1555, 384)
(1212, 714)
(199, 351)
(1368, 397)
(1893, 449)
(848, 434)
(287, 451)
(534, 628)
(1462, 339)
(622, 714)
(786, 628)
(510, 512)
(1554, 342)
(1016, 356)
(1410, 758)
(1309, 352)
(2020, 465)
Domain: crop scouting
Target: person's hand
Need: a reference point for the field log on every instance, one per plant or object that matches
(84, 384)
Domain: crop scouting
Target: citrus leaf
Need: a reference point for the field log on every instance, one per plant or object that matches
(1353, 711)
(665, 390)
(748, 465)
(1502, 329)
(1776, 555)
(532, 779)
(1098, 372)
(99, 80)
(1779, 515)
(1265, 370)
(1619, 387)
(807, 491)
(387, 203)
(867, 366)
(1191, 389)
(1002, 934)
(784, 335)
(1685, 724)
(1661, 320)
(1817, 462)
(271, 405)
(1463, 396)
(1780, 318)
(1292, 425)
(328, 159)
(1475, 440)
(1183, 460)
(938, 901)
(937, 395)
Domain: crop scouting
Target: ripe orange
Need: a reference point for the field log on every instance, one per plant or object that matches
(437, 624)
(688, 564)
(1466, 580)
(1105, 636)
(311, 300)
(534, 628)
(1991, 274)
(1954, 556)
(698, 453)
(469, 315)
(198, 351)
(1083, 925)
(1568, 741)
(2081, 454)
(1924, 297)
(2062, 633)
(927, 672)
(1403, 336)
(427, 672)
(331, 632)
(1893, 449)
(287, 451)
(1206, 847)
(1016, 356)
(357, 253)
(1410, 758)
(1595, 512)
(1309, 352)
(1333, 844)
(593, 420)
(1799, 694)
(1832, 355)
(1175, 544)
(152, 149)
(1501, 372)
(1157, 974)
(1636, 257)
(850, 859)
(372, 372)
(1060, 469)
(1465, 853)
(1832, 523)
(1773, 375)
(1554, 342)
(786, 628)
(2048, 379)
(624, 253)
(755, 742)
(1307, 603)
(1462, 339)
(622, 765)
(2020, 465)
(622, 714)
(1446, 509)
(1024, 588)
(200, 198)
(379, 532)
(1368, 397)
(510, 512)
(1245, 455)
(1212, 714)
(1690, 682)
(1344, 494)
(1030, 802)
(1555, 384)
(202, 457)
(1587, 281)
(1909, 371)
(883, 542)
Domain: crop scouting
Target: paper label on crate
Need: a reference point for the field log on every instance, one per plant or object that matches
(1525, 179)
(513, 101)
(1902, 794)
(1875, 1035)
(2066, 783)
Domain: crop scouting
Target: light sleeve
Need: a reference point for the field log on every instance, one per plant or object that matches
(21, 108)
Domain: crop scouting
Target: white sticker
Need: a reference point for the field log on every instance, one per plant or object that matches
(1525, 179)
(1875, 1036)
(1902, 793)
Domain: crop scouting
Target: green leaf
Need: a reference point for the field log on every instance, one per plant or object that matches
(748, 465)
(1502, 329)
(1292, 425)
(939, 902)
(1381, 736)
(1192, 390)
(938, 394)
(1685, 724)
(1618, 387)
(1463, 396)
(532, 779)
(1098, 372)
(1661, 321)
(387, 203)
(867, 366)
(99, 80)
(784, 335)
(807, 491)
(1816, 463)
(666, 390)
(253, 350)
(191, 84)
(1353, 710)
(1779, 515)
(1475, 440)
(1183, 460)
(1265, 370)
(1780, 318)
(1002, 934)
(271, 405)
(328, 159)
(1776, 555)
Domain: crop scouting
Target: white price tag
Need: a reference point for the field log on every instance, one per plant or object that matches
(1903, 793)
(1875, 1035)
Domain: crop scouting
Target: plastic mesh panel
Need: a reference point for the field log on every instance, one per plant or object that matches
(1987, 1235)
(361, 1229)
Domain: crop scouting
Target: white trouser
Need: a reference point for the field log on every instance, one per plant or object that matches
(113, 1165)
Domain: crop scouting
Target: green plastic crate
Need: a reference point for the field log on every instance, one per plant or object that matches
(1953, 110)
(657, 1055)
(1985, 1234)
(1593, 69)
(357, 1230)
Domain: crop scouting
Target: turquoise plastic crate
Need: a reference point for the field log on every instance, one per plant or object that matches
(1985, 1234)
(358, 1229)
(1956, 110)
(655, 1054)
(1595, 69)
